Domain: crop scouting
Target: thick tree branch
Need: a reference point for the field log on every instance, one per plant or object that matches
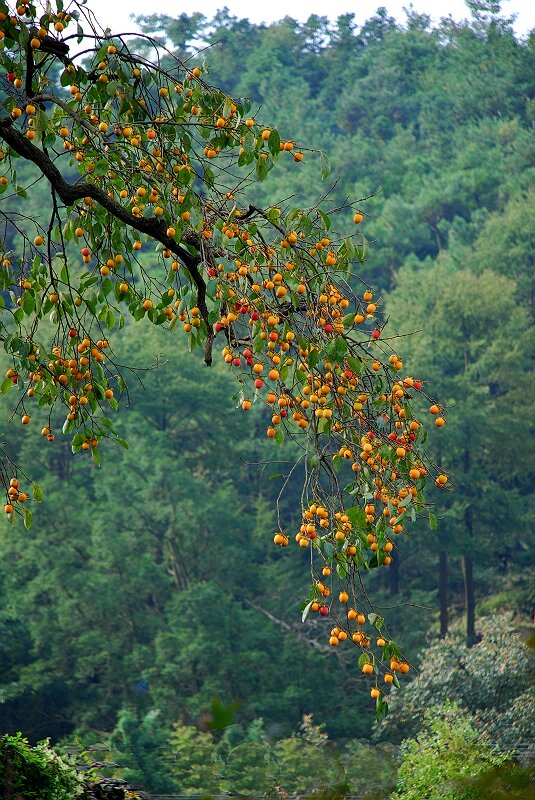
(70, 193)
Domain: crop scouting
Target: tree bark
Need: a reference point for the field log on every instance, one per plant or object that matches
(70, 193)
(467, 566)
(443, 590)
(469, 600)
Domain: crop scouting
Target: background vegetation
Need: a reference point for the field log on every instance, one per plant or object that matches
(114, 628)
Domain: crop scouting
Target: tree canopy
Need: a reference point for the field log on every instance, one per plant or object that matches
(152, 216)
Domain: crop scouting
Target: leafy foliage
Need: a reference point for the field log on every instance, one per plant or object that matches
(36, 772)
(447, 749)
(140, 745)
(494, 681)
(106, 603)
(249, 761)
(166, 160)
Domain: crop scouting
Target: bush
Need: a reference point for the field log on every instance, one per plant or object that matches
(494, 681)
(139, 743)
(447, 750)
(36, 773)
(370, 770)
(247, 761)
(192, 760)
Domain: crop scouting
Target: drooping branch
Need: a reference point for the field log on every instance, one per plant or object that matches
(70, 193)
(51, 98)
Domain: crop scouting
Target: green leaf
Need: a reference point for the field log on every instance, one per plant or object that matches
(262, 168)
(279, 436)
(13, 345)
(355, 364)
(37, 493)
(27, 518)
(325, 219)
(341, 570)
(324, 426)
(337, 462)
(432, 521)
(24, 35)
(249, 143)
(305, 225)
(306, 611)
(313, 358)
(97, 458)
(101, 167)
(381, 708)
(98, 372)
(274, 142)
(68, 426)
(222, 715)
(364, 659)
(325, 167)
(6, 385)
(245, 158)
(66, 79)
(111, 88)
(28, 303)
(209, 177)
(357, 516)
(375, 620)
(336, 350)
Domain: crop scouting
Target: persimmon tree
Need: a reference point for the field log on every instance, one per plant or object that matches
(150, 172)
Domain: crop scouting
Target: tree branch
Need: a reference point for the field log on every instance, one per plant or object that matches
(51, 98)
(290, 628)
(70, 193)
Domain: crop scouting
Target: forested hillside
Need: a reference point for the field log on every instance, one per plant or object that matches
(150, 587)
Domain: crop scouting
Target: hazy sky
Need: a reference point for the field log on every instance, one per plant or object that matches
(116, 14)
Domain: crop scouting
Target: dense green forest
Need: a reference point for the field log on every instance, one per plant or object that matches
(147, 611)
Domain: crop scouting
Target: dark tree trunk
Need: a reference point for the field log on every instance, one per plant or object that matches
(443, 590)
(469, 600)
(467, 567)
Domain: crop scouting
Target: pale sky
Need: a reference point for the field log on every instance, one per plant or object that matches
(115, 13)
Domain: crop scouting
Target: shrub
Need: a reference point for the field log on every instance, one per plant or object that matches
(494, 681)
(36, 773)
(447, 750)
